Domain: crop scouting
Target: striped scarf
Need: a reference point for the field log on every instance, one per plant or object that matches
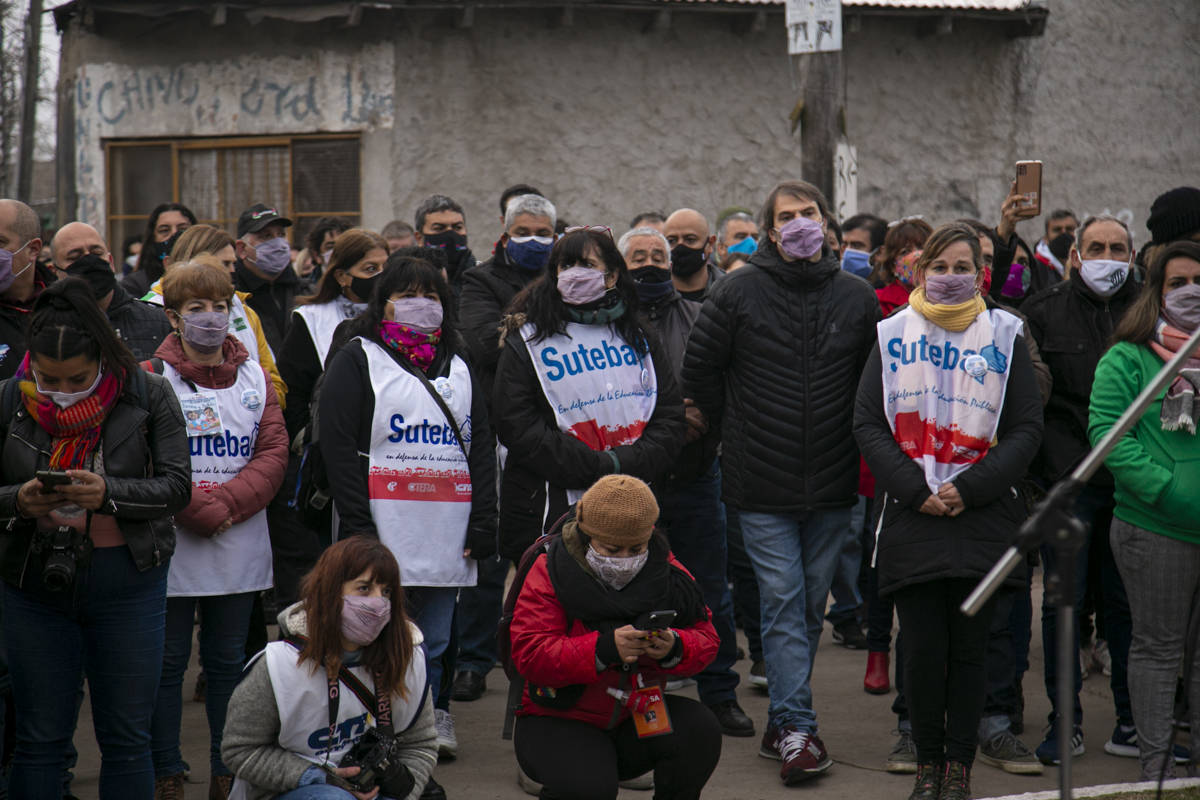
(1179, 406)
(74, 431)
(417, 347)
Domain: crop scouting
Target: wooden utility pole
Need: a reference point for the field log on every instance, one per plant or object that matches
(33, 50)
(819, 79)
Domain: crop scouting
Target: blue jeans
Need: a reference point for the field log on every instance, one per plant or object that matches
(432, 610)
(694, 519)
(794, 556)
(1094, 507)
(1001, 670)
(224, 621)
(110, 624)
(846, 597)
(316, 791)
(479, 609)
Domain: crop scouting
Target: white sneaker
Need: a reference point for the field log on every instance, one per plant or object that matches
(679, 683)
(1101, 658)
(1083, 662)
(527, 783)
(642, 783)
(446, 740)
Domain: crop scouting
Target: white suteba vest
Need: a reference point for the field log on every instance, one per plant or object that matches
(303, 702)
(419, 481)
(322, 320)
(238, 560)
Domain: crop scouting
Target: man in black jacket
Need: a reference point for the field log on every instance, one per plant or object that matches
(20, 282)
(79, 251)
(1073, 324)
(774, 360)
(264, 270)
(487, 288)
(689, 495)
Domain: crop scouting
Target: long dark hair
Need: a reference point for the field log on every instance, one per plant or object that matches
(351, 247)
(402, 274)
(66, 322)
(147, 259)
(387, 658)
(1138, 324)
(543, 306)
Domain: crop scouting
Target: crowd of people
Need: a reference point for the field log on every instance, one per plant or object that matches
(667, 434)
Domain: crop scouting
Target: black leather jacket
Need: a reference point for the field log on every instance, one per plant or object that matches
(147, 467)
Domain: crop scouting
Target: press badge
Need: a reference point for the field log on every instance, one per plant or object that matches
(201, 414)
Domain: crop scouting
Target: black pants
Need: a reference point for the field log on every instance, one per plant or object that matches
(945, 667)
(575, 760)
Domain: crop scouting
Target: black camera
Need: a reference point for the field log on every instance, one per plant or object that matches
(65, 550)
(378, 758)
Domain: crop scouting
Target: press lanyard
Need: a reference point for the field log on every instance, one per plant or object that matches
(383, 709)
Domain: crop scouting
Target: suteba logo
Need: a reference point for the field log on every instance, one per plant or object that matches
(573, 363)
(426, 432)
(948, 357)
(224, 445)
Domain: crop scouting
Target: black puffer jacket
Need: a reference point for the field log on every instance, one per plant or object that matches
(543, 461)
(915, 547)
(1073, 328)
(147, 469)
(140, 326)
(486, 290)
(774, 360)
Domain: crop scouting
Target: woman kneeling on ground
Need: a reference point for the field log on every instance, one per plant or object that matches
(583, 724)
(303, 703)
(948, 417)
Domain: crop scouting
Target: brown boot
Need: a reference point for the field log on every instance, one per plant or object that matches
(169, 788)
(219, 787)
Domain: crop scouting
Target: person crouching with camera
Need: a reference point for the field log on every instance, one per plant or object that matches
(95, 462)
(340, 708)
(602, 618)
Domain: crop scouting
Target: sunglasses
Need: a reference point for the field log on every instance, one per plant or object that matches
(597, 228)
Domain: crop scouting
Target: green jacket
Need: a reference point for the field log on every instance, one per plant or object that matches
(1157, 472)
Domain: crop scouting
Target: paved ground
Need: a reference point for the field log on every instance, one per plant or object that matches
(856, 727)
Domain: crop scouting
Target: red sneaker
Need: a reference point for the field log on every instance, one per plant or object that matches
(876, 681)
(802, 753)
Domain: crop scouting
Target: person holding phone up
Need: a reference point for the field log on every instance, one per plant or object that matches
(85, 548)
(593, 712)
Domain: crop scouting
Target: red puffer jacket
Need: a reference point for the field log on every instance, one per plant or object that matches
(547, 654)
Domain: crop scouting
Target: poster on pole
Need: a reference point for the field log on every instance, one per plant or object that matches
(814, 26)
(845, 181)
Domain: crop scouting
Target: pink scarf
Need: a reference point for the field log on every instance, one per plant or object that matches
(1179, 406)
(419, 348)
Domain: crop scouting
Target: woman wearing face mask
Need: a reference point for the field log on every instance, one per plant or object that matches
(575, 644)
(79, 405)
(1155, 533)
(408, 449)
(584, 388)
(164, 223)
(948, 418)
(349, 632)
(223, 552)
(895, 276)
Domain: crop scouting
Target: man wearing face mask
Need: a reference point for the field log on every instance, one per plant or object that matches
(778, 347)
(737, 232)
(79, 251)
(21, 279)
(689, 493)
(1055, 246)
(520, 257)
(1073, 323)
(264, 269)
(441, 223)
(691, 245)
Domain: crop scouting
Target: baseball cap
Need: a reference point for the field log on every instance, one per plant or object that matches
(257, 217)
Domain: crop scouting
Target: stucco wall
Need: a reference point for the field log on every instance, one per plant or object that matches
(611, 116)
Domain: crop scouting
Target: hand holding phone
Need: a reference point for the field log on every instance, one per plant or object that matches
(1029, 186)
(654, 620)
(51, 479)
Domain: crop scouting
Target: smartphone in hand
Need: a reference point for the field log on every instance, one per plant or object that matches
(51, 479)
(1029, 186)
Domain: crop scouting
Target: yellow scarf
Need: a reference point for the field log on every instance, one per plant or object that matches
(952, 318)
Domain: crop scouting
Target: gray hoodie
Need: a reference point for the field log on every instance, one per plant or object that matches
(251, 744)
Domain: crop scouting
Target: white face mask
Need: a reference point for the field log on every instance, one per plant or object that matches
(616, 572)
(68, 399)
(1104, 277)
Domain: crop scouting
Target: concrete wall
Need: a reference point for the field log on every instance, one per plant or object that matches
(611, 116)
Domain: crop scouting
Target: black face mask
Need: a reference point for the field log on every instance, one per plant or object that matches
(97, 272)
(363, 286)
(453, 242)
(686, 261)
(1060, 246)
(652, 283)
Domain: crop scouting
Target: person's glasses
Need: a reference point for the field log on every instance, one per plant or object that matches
(597, 228)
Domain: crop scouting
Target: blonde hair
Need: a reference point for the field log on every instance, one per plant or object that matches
(199, 240)
(203, 277)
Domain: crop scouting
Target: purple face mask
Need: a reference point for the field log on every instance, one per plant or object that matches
(205, 331)
(363, 618)
(1181, 307)
(801, 238)
(422, 314)
(273, 256)
(949, 290)
(581, 285)
(6, 274)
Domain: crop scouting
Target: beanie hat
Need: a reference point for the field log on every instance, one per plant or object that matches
(619, 511)
(1175, 214)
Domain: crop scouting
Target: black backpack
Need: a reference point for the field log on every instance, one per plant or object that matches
(313, 492)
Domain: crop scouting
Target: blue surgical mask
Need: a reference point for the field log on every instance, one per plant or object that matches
(529, 252)
(745, 246)
(857, 262)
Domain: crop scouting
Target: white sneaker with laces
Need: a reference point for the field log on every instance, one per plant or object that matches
(676, 684)
(447, 742)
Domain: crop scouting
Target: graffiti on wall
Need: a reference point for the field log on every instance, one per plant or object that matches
(321, 93)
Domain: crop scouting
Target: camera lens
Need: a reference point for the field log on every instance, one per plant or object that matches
(59, 572)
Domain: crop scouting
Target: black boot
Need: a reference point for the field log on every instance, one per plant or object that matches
(929, 782)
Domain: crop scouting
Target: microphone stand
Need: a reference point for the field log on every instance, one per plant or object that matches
(1053, 522)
